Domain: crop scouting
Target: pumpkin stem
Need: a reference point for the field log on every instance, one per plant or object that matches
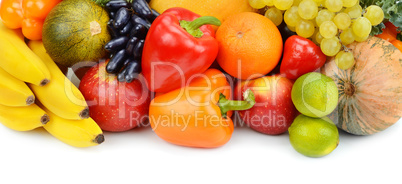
(349, 89)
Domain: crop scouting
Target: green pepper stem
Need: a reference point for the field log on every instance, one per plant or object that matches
(193, 27)
(229, 105)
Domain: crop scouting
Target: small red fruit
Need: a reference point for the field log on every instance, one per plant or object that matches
(115, 106)
(273, 112)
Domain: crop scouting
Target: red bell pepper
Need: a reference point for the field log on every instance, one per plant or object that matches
(300, 56)
(178, 45)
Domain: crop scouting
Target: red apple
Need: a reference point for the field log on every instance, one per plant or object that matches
(115, 106)
(273, 111)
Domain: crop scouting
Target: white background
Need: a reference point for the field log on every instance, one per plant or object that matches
(139, 156)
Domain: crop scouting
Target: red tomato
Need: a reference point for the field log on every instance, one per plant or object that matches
(11, 13)
(32, 28)
(38, 9)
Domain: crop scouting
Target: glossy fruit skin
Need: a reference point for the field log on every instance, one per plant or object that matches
(32, 28)
(38, 9)
(370, 98)
(115, 106)
(26, 14)
(199, 121)
(300, 56)
(11, 13)
(171, 55)
(274, 111)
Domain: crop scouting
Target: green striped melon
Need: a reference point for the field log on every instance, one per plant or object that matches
(76, 30)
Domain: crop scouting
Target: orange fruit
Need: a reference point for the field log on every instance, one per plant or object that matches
(250, 45)
(217, 8)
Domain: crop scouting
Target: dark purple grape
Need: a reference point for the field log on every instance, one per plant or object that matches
(117, 44)
(112, 30)
(112, 15)
(127, 28)
(122, 75)
(139, 31)
(142, 8)
(116, 62)
(114, 5)
(138, 20)
(154, 14)
(133, 69)
(137, 52)
(130, 46)
(121, 18)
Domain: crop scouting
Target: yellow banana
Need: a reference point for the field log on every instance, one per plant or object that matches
(60, 96)
(18, 60)
(23, 118)
(14, 92)
(78, 133)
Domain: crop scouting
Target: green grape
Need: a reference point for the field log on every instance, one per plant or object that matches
(296, 2)
(354, 11)
(374, 14)
(330, 46)
(334, 5)
(292, 28)
(360, 38)
(349, 3)
(308, 9)
(283, 4)
(324, 15)
(318, 1)
(269, 2)
(342, 21)
(291, 16)
(305, 28)
(344, 60)
(317, 37)
(257, 4)
(347, 36)
(275, 15)
(328, 29)
(361, 27)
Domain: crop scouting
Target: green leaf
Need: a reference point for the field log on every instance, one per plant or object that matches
(377, 29)
(101, 2)
(399, 36)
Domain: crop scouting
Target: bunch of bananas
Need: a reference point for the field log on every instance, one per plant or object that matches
(34, 93)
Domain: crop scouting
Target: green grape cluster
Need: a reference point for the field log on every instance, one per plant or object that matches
(332, 24)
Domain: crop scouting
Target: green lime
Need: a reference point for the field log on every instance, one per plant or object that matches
(315, 94)
(313, 137)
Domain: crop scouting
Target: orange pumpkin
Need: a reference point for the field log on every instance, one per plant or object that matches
(370, 93)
